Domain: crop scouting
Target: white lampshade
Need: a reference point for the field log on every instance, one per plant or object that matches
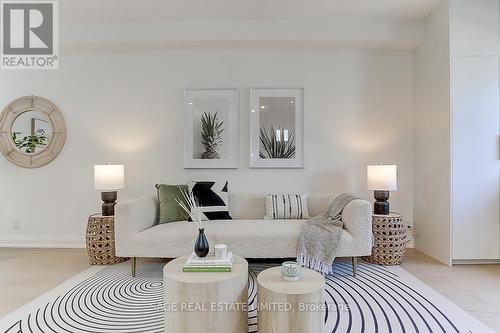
(109, 177)
(382, 177)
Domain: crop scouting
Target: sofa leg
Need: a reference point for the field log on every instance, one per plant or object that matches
(354, 265)
(133, 262)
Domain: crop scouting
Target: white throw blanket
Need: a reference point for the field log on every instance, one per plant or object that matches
(320, 236)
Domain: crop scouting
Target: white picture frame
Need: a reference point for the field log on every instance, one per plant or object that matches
(224, 102)
(259, 155)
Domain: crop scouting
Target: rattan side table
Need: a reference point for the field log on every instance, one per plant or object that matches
(101, 240)
(390, 236)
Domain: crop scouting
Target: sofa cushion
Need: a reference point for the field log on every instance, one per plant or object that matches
(286, 206)
(252, 206)
(212, 197)
(247, 206)
(318, 203)
(247, 238)
(170, 210)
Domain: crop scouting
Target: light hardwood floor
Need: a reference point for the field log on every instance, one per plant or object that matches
(474, 288)
(28, 273)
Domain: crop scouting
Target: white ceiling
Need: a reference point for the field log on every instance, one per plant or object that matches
(109, 11)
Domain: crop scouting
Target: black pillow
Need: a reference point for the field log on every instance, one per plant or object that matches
(212, 198)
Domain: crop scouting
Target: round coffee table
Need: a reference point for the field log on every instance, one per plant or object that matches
(286, 306)
(206, 302)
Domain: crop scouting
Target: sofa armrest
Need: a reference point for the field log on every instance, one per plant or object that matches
(132, 217)
(357, 217)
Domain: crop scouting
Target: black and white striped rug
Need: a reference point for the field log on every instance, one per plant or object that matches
(380, 299)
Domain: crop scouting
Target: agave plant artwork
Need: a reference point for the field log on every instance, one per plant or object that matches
(28, 143)
(273, 147)
(211, 135)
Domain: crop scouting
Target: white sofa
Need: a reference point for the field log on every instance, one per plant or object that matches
(248, 234)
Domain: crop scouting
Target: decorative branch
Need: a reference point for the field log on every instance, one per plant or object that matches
(188, 203)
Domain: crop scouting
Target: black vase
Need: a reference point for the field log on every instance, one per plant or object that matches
(201, 246)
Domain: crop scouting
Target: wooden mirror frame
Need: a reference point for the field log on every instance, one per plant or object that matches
(55, 144)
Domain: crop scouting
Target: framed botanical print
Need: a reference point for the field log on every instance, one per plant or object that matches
(276, 128)
(211, 128)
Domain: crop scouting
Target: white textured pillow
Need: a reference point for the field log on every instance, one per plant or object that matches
(286, 206)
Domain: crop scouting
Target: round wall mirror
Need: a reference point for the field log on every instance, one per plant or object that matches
(32, 131)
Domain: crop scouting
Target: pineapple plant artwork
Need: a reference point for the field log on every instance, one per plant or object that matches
(211, 135)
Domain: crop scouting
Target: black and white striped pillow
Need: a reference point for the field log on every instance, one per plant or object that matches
(212, 198)
(286, 206)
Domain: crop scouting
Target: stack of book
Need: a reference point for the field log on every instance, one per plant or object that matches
(208, 264)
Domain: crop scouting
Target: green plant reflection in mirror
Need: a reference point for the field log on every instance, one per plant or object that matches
(31, 132)
(29, 143)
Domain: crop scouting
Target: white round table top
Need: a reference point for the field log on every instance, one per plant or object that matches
(173, 271)
(309, 281)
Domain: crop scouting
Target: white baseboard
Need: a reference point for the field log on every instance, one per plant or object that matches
(475, 261)
(42, 241)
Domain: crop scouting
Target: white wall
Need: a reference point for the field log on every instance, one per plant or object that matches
(127, 107)
(263, 33)
(432, 160)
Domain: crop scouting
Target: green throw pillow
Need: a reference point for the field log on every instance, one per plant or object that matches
(170, 211)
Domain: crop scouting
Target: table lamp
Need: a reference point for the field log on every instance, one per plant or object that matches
(108, 179)
(382, 179)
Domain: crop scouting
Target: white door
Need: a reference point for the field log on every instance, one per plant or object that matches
(475, 158)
